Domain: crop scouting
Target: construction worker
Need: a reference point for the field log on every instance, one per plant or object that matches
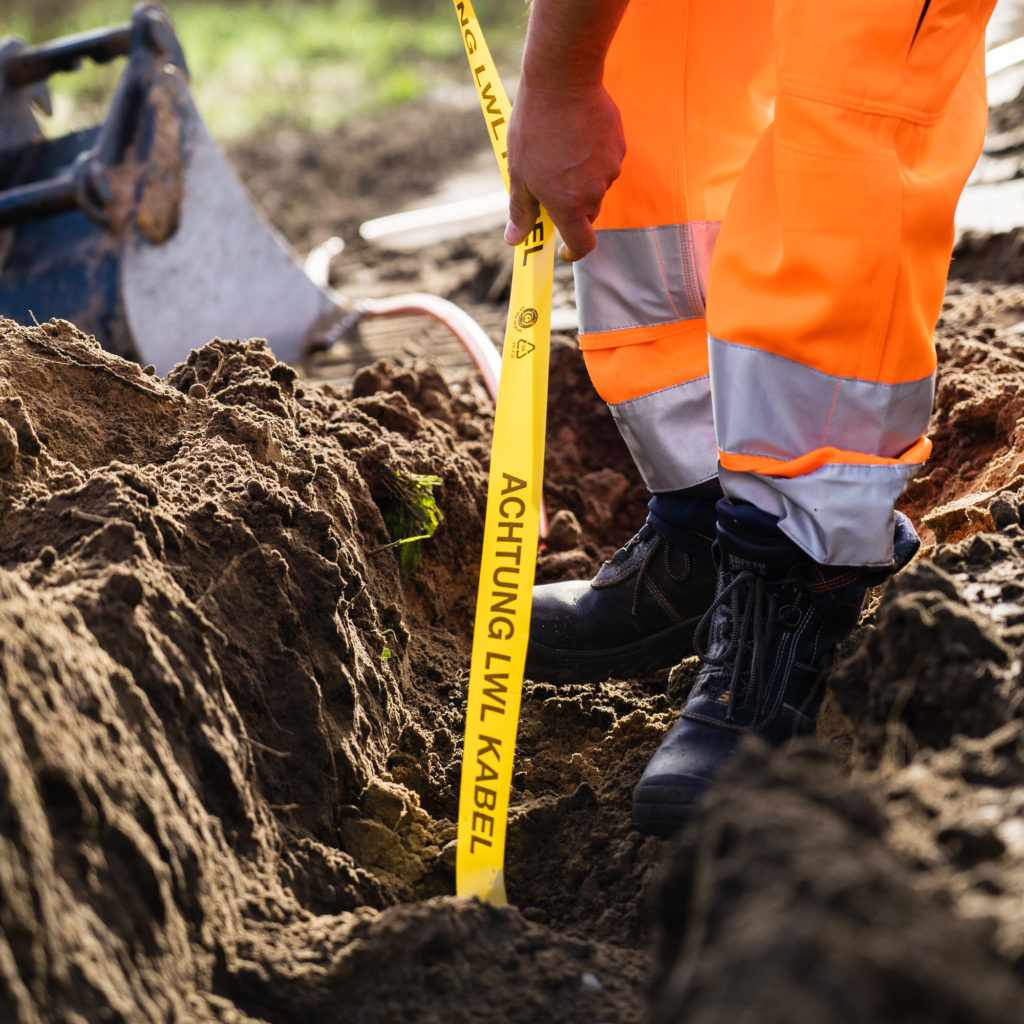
(759, 200)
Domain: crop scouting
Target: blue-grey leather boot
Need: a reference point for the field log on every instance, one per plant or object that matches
(773, 626)
(637, 614)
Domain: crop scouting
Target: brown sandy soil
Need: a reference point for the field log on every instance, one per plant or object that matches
(230, 728)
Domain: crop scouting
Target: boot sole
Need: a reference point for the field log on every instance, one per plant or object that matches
(663, 650)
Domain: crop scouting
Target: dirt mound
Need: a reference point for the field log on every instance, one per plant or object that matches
(942, 658)
(222, 701)
(979, 402)
(783, 902)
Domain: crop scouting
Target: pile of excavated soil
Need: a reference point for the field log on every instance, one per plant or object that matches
(230, 725)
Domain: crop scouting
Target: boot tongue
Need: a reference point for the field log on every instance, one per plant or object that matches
(737, 563)
(766, 555)
(749, 538)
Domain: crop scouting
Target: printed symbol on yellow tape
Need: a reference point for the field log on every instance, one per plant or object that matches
(526, 317)
(523, 348)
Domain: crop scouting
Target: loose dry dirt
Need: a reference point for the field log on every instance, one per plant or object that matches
(230, 728)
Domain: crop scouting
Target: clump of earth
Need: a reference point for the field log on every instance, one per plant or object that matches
(230, 725)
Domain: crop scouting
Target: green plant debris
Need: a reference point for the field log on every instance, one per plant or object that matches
(385, 653)
(411, 514)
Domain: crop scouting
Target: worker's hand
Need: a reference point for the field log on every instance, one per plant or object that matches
(564, 150)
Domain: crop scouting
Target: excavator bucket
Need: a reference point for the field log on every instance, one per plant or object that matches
(137, 230)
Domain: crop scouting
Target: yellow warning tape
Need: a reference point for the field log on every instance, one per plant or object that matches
(511, 526)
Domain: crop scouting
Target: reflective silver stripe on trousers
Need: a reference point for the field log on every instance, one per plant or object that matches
(638, 277)
(841, 514)
(767, 405)
(671, 435)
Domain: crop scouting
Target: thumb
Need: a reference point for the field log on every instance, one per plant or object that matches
(513, 233)
(523, 211)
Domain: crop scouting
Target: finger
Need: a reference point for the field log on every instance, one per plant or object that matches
(577, 240)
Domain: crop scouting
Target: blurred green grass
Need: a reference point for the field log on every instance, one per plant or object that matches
(255, 65)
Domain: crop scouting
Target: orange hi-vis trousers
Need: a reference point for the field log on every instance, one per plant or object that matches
(771, 263)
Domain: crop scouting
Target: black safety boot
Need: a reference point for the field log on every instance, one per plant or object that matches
(637, 614)
(775, 623)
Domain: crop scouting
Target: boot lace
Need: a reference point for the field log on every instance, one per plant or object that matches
(643, 578)
(748, 609)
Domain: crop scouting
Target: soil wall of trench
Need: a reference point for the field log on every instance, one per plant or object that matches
(230, 726)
